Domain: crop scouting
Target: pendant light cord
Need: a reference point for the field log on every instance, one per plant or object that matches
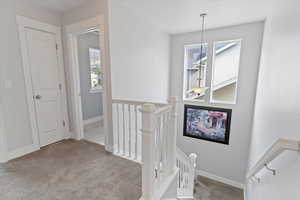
(201, 50)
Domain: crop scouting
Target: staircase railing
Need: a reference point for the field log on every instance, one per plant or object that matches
(186, 165)
(271, 153)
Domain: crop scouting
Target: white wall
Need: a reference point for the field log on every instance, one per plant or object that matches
(15, 111)
(139, 56)
(277, 110)
(230, 161)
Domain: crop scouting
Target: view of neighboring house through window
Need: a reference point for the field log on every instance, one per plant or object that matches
(195, 72)
(95, 69)
(226, 62)
(224, 70)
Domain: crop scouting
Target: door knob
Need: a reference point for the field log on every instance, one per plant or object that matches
(38, 96)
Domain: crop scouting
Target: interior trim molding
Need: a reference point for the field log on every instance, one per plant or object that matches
(23, 151)
(93, 120)
(109, 148)
(71, 32)
(3, 140)
(220, 179)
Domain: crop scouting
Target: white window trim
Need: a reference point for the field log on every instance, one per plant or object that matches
(95, 90)
(211, 100)
(205, 75)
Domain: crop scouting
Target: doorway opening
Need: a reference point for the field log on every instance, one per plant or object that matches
(90, 81)
(91, 85)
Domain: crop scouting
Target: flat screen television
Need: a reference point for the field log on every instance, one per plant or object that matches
(207, 123)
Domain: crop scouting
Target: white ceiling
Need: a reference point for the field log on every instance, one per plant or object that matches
(59, 6)
(175, 16)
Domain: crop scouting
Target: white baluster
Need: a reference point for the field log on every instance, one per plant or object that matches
(193, 161)
(173, 133)
(165, 144)
(148, 149)
(124, 120)
(129, 129)
(136, 132)
(118, 128)
(158, 149)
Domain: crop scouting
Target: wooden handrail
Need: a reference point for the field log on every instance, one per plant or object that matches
(275, 150)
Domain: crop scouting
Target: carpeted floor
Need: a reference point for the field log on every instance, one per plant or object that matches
(207, 189)
(70, 170)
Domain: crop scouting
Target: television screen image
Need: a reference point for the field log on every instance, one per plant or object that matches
(207, 123)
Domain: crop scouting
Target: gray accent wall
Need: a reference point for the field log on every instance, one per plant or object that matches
(91, 102)
(228, 162)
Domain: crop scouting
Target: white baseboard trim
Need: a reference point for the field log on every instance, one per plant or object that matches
(220, 179)
(93, 120)
(245, 194)
(3, 159)
(109, 148)
(22, 151)
(68, 135)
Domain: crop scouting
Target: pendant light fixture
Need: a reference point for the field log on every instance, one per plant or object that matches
(200, 90)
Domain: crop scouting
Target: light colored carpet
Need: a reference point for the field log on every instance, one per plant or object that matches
(73, 170)
(70, 170)
(207, 189)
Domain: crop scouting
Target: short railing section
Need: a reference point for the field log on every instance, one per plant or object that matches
(146, 132)
(186, 179)
(158, 148)
(127, 120)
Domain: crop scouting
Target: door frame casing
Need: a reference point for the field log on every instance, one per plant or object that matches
(72, 31)
(23, 23)
(3, 141)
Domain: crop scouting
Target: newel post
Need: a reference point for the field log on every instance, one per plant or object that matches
(173, 132)
(148, 149)
(193, 160)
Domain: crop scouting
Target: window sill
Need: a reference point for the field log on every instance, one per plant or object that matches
(193, 101)
(94, 91)
(223, 102)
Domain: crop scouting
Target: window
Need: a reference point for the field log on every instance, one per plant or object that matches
(195, 72)
(225, 71)
(95, 69)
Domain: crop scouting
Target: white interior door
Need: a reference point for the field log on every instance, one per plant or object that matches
(44, 67)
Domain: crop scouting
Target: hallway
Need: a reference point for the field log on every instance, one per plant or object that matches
(95, 133)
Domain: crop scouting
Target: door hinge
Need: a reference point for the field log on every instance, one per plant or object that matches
(56, 46)
(60, 86)
(64, 123)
